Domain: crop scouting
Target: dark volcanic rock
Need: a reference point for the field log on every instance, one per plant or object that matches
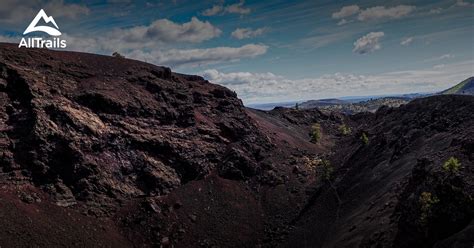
(116, 127)
(95, 131)
(376, 196)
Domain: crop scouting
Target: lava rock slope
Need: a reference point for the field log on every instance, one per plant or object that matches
(95, 132)
(393, 188)
(166, 159)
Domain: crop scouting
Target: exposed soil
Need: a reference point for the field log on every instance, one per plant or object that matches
(97, 151)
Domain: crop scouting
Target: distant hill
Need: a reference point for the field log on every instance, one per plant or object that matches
(349, 107)
(352, 105)
(364, 106)
(465, 87)
(322, 102)
(271, 105)
(357, 105)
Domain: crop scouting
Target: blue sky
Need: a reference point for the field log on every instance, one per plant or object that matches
(273, 51)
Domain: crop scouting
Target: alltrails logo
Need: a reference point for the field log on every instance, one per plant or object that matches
(38, 42)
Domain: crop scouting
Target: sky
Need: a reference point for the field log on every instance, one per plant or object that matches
(274, 51)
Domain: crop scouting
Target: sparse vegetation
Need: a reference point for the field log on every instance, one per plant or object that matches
(427, 201)
(118, 55)
(364, 138)
(345, 130)
(327, 169)
(311, 162)
(452, 165)
(324, 164)
(315, 132)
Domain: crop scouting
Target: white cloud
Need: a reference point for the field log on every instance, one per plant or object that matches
(346, 11)
(11, 11)
(158, 35)
(72, 11)
(157, 43)
(323, 40)
(343, 22)
(198, 57)
(245, 33)
(406, 41)
(445, 56)
(368, 43)
(349, 13)
(216, 9)
(441, 57)
(238, 78)
(236, 8)
(9, 39)
(193, 31)
(166, 31)
(14, 11)
(268, 87)
(381, 12)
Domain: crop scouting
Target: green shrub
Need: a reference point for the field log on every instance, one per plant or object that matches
(319, 164)
(315, 133)
(364, 138)
(427, 201)
(452, 165)
(327, 169)
(345, 130)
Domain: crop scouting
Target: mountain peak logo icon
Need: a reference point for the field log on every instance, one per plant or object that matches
(41, 42)
(47, 19)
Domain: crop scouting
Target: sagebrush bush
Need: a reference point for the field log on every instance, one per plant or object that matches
(452, 165)
(364, 138)
(315, 132)
(327, 169)
(427, 201)
(344, 129)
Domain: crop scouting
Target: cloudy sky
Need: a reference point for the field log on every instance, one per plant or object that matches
(275, 51)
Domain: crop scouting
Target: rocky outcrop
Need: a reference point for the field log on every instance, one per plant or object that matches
(103, 127)
(95, 133)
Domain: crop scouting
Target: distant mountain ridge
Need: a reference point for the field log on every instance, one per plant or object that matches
(322, 102)
(346, 107)
(465, 87)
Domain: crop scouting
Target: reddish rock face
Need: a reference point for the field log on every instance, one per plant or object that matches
(108, 126)
(98, 133)
(104, 151)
